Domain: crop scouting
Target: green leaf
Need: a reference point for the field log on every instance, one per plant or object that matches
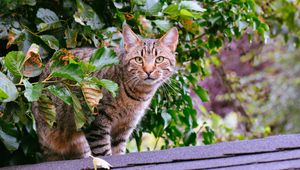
(164, 25)
(62, 93)
(71, 72)
(152, 7)
(202, 93)
(71, 38)
(167, 118)
(8, 136)
(49, 18)
(103, 57)
(190, 137)
(47, 109)
(208, 135)
(185, 13)
(51, 41)
(32, 92)
(29, 2)
(191, 5)
(14, 61)
(79, 115)
(172, 10)
(3, 95)
(15, 37)
(8, 89)
(85, 15)
(107, 84)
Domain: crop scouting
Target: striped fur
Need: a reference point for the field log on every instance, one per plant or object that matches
(145, 64)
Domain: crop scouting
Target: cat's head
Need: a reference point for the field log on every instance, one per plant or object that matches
(149, 62)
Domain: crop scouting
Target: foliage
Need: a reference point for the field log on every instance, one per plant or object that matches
(37, 32)
(258, 81)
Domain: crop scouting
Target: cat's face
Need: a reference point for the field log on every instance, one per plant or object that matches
(149, 62)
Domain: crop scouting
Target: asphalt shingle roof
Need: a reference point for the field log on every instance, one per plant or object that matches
(275, 152)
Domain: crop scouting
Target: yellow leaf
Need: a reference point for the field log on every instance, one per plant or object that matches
(92, 95)
(101, 163)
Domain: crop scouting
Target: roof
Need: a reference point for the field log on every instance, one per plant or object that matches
(275, 152)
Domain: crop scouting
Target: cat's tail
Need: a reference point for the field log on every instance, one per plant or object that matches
(61, 140)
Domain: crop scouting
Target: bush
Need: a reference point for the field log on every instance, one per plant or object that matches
(35, 31)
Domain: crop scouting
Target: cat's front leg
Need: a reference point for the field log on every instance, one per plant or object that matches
(99, 136)
(119, 139)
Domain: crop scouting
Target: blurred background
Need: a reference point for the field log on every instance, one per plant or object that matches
(238, 66)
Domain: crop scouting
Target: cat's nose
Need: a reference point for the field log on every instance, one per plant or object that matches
(148, 73)
(148, 69)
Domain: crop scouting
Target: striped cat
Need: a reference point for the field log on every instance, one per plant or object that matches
(145, 64)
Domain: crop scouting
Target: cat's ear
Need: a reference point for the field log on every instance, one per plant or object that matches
(170, 39)
(130, 38)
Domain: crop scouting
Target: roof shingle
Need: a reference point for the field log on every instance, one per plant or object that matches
(276, 152)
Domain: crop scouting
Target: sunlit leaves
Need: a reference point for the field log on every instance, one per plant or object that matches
(152, 7)
(8, 89)
(103, 57)
(191, 5)
(164, 25)
(3, 95)
(172, 10)
(32, 92)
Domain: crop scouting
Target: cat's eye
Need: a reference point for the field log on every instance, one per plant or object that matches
(159, 59)
(139, 60)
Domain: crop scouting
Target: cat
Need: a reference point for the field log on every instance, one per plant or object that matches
(145, 64)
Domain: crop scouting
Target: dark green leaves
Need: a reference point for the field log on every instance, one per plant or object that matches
(51, 41)
(62, 93)
(202, 93)
(79, 115)
(20, 65)
(103, 57)
(85, 15)
(8, 91)
(208, 135)
(8, 136)
(32, 92)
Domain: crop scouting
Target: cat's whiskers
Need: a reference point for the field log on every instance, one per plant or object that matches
(168, 84)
